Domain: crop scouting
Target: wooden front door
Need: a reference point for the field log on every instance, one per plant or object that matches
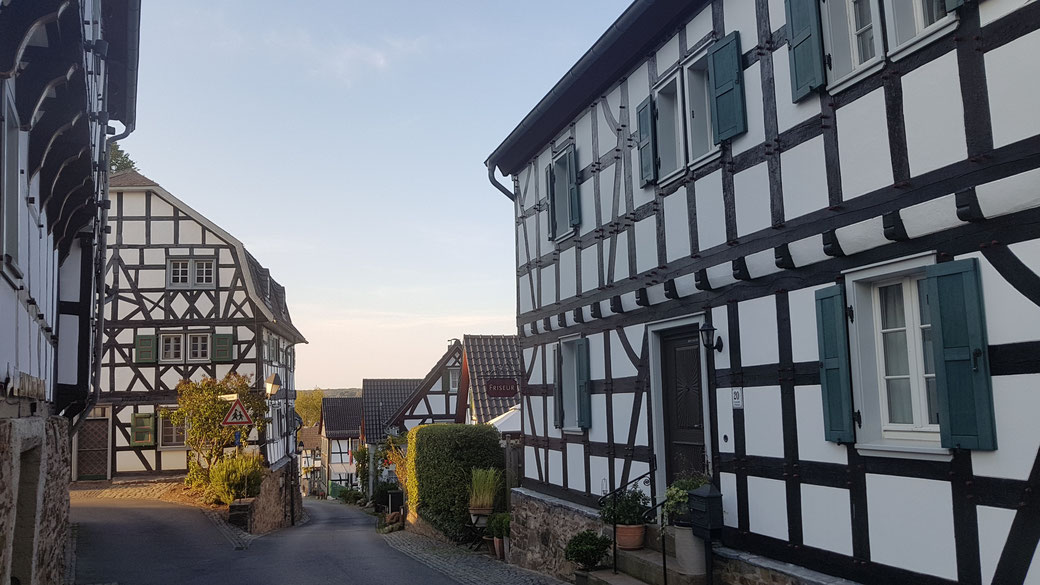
(683, 405)
(92, 452)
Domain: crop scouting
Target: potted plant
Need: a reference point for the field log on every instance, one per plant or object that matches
(482, 492)
(586, 548)
(499, 526)
(625, 509)
(689, 549)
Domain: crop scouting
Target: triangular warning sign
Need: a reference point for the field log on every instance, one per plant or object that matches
(237, 416)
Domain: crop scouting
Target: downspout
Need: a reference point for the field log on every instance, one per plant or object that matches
(494, 181)
(101, 254)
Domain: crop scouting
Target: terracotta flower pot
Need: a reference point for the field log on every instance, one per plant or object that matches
(499, 548)
(630, 537)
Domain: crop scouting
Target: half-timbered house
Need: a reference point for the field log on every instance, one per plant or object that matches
(380, 399)
(68, 78)
(312, 465)
(340, 430)
(794, 244)
(185, 301)
(436, 398)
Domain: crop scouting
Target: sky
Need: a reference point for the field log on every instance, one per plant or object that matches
(343, 143)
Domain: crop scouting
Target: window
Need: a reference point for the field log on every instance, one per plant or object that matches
(913, 19)
(172, 348)
(850, 37)
(904, 358)
(142, 429)
(453, 380)
(699, 108)
(191, 273)
(561, 179)
(170, 435)
(198, 347)
(668, 127)
(572, 400)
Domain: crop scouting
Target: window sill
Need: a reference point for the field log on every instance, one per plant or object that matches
(929, 452)
(866, 70)
(705, 159)
(172, 448)
(927, 36)
(672, 176)
(564, 237)
(573, 431)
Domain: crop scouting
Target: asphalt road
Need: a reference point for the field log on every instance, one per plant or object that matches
(144, 542)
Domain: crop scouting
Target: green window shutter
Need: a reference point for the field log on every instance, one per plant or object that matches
(952, 5)
(581, 350)
(804, 47)
(726, 88)
(145, 349)
(142, 429)
(558, 388)
(961, 360)
(832, 335)
(223, 347)
(572, 187)
(647, 142)
(551, 190)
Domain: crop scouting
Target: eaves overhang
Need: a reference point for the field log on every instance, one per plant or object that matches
(624, 45)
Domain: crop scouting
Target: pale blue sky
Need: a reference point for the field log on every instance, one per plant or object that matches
(343, 142)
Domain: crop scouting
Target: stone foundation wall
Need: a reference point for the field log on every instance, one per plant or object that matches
(734, 567)
(540, 528)
(270, 509)
(35, 465)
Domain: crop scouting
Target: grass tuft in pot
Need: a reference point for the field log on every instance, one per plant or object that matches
(483, 490)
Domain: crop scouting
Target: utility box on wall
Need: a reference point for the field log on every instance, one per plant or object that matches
(705, 505)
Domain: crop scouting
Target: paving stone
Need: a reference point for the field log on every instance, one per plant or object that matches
(464, 566)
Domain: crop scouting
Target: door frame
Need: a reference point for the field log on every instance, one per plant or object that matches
(656, 332)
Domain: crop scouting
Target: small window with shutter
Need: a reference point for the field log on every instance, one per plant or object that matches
(572, 387)
(561, 177)
(142, 429)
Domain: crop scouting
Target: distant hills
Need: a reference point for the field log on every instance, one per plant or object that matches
(342, 392)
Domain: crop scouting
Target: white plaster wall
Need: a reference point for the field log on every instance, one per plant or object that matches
(807, 251)
(720, 321)
(68, 347)
(802, 306)
(161, 207)
(587, 197)
(1015, 404)
(622, 409)
(68, 275)
(555, 467)
(667, 55)
(174, 459)
(763, 426)
(128, 461)
(826, 521)
(620, 258)
(597, 364)
(994, 526)
(607, 135)
(134, 203)
(804, 178)
(1010, 316)
(583, 138)
(751, 198)
(589, 268)
(1013, 84)
(149, 278)
(568, 273)
(162, 232)
(699, 26)
(620, 365)
(767, 507)
(524, 287)
(537, 413)
(812, 446)
(862, 236)
(933, 114)
(730, 511)
(642, 433)
(547, 277)
(758, 333)
(930, 217)
(646, 244)
(724, 436)
(598, 430)
(638, 90)
(576, 479)
(530, 463)
(607, 188)
(711, 211)
(862, 127)
(133, 232)
(740, 16)
(918, 511)
(676, 225)
(788, 113)
(756, 131)
(1010, 194)
(599, 475)
(777, 15)
(640, 195)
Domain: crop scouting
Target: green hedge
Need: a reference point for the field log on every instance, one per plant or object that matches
(441, 458)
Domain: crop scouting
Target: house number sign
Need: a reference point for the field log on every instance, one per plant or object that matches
(738, 398)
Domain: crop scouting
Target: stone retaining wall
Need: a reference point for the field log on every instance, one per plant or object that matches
(540, 527)
(733, 567)
(270, 510)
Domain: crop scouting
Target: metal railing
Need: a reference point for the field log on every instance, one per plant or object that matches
(613, 495)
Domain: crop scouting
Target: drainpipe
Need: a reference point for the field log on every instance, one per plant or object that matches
(494, 181)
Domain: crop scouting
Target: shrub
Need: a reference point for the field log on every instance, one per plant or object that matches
(498, 525)
(627, 509)
(237, 477)
(198, 476)
(351, 496)
(442, 458)
(484, 487)
(677, 494)
(587, 549)
(380, 497)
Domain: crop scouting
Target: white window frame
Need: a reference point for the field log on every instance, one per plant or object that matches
(564, 230)
(924, 35)
(170, 273)
(670, 125)
(861, 70)
(698, 62)
(873, 435)
(164, 421)
(188, 347)
(454, 375)
(162, 348)
(569, 375)
(196, 282)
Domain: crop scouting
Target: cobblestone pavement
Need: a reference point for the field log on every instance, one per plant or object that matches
(466, 567)
(138, 490)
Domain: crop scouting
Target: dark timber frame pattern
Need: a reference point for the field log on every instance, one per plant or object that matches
(635, 299)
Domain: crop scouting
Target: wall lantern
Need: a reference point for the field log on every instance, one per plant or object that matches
(273, 383)
(708, 338)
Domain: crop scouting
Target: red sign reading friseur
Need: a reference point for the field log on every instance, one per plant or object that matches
(501, 387)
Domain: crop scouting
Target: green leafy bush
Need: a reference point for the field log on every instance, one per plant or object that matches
(677, 495)
(198, 476)
(351, 496)
(587, 549)
(498, 525)
(236, 477)
(442, 458)
(627, 509)
(381, 494)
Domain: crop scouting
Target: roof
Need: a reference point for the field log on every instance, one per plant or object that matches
(129, 179)
(310, 437)
(424, 386)
(381, 397)
(487, 357)
(341, 418)
(273, 296)
(623, 46)
(508, 422)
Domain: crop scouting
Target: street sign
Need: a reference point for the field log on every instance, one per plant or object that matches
(237, 416)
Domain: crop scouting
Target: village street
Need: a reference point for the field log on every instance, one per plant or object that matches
(152, 542)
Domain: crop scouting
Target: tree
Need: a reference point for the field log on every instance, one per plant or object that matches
(119, 160)
(201, 410)
(308, 405)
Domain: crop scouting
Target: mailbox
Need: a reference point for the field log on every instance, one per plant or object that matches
(705, 505)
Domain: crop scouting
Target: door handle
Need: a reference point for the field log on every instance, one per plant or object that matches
(975, 355)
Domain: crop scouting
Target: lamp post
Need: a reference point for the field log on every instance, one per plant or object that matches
(273, 384)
